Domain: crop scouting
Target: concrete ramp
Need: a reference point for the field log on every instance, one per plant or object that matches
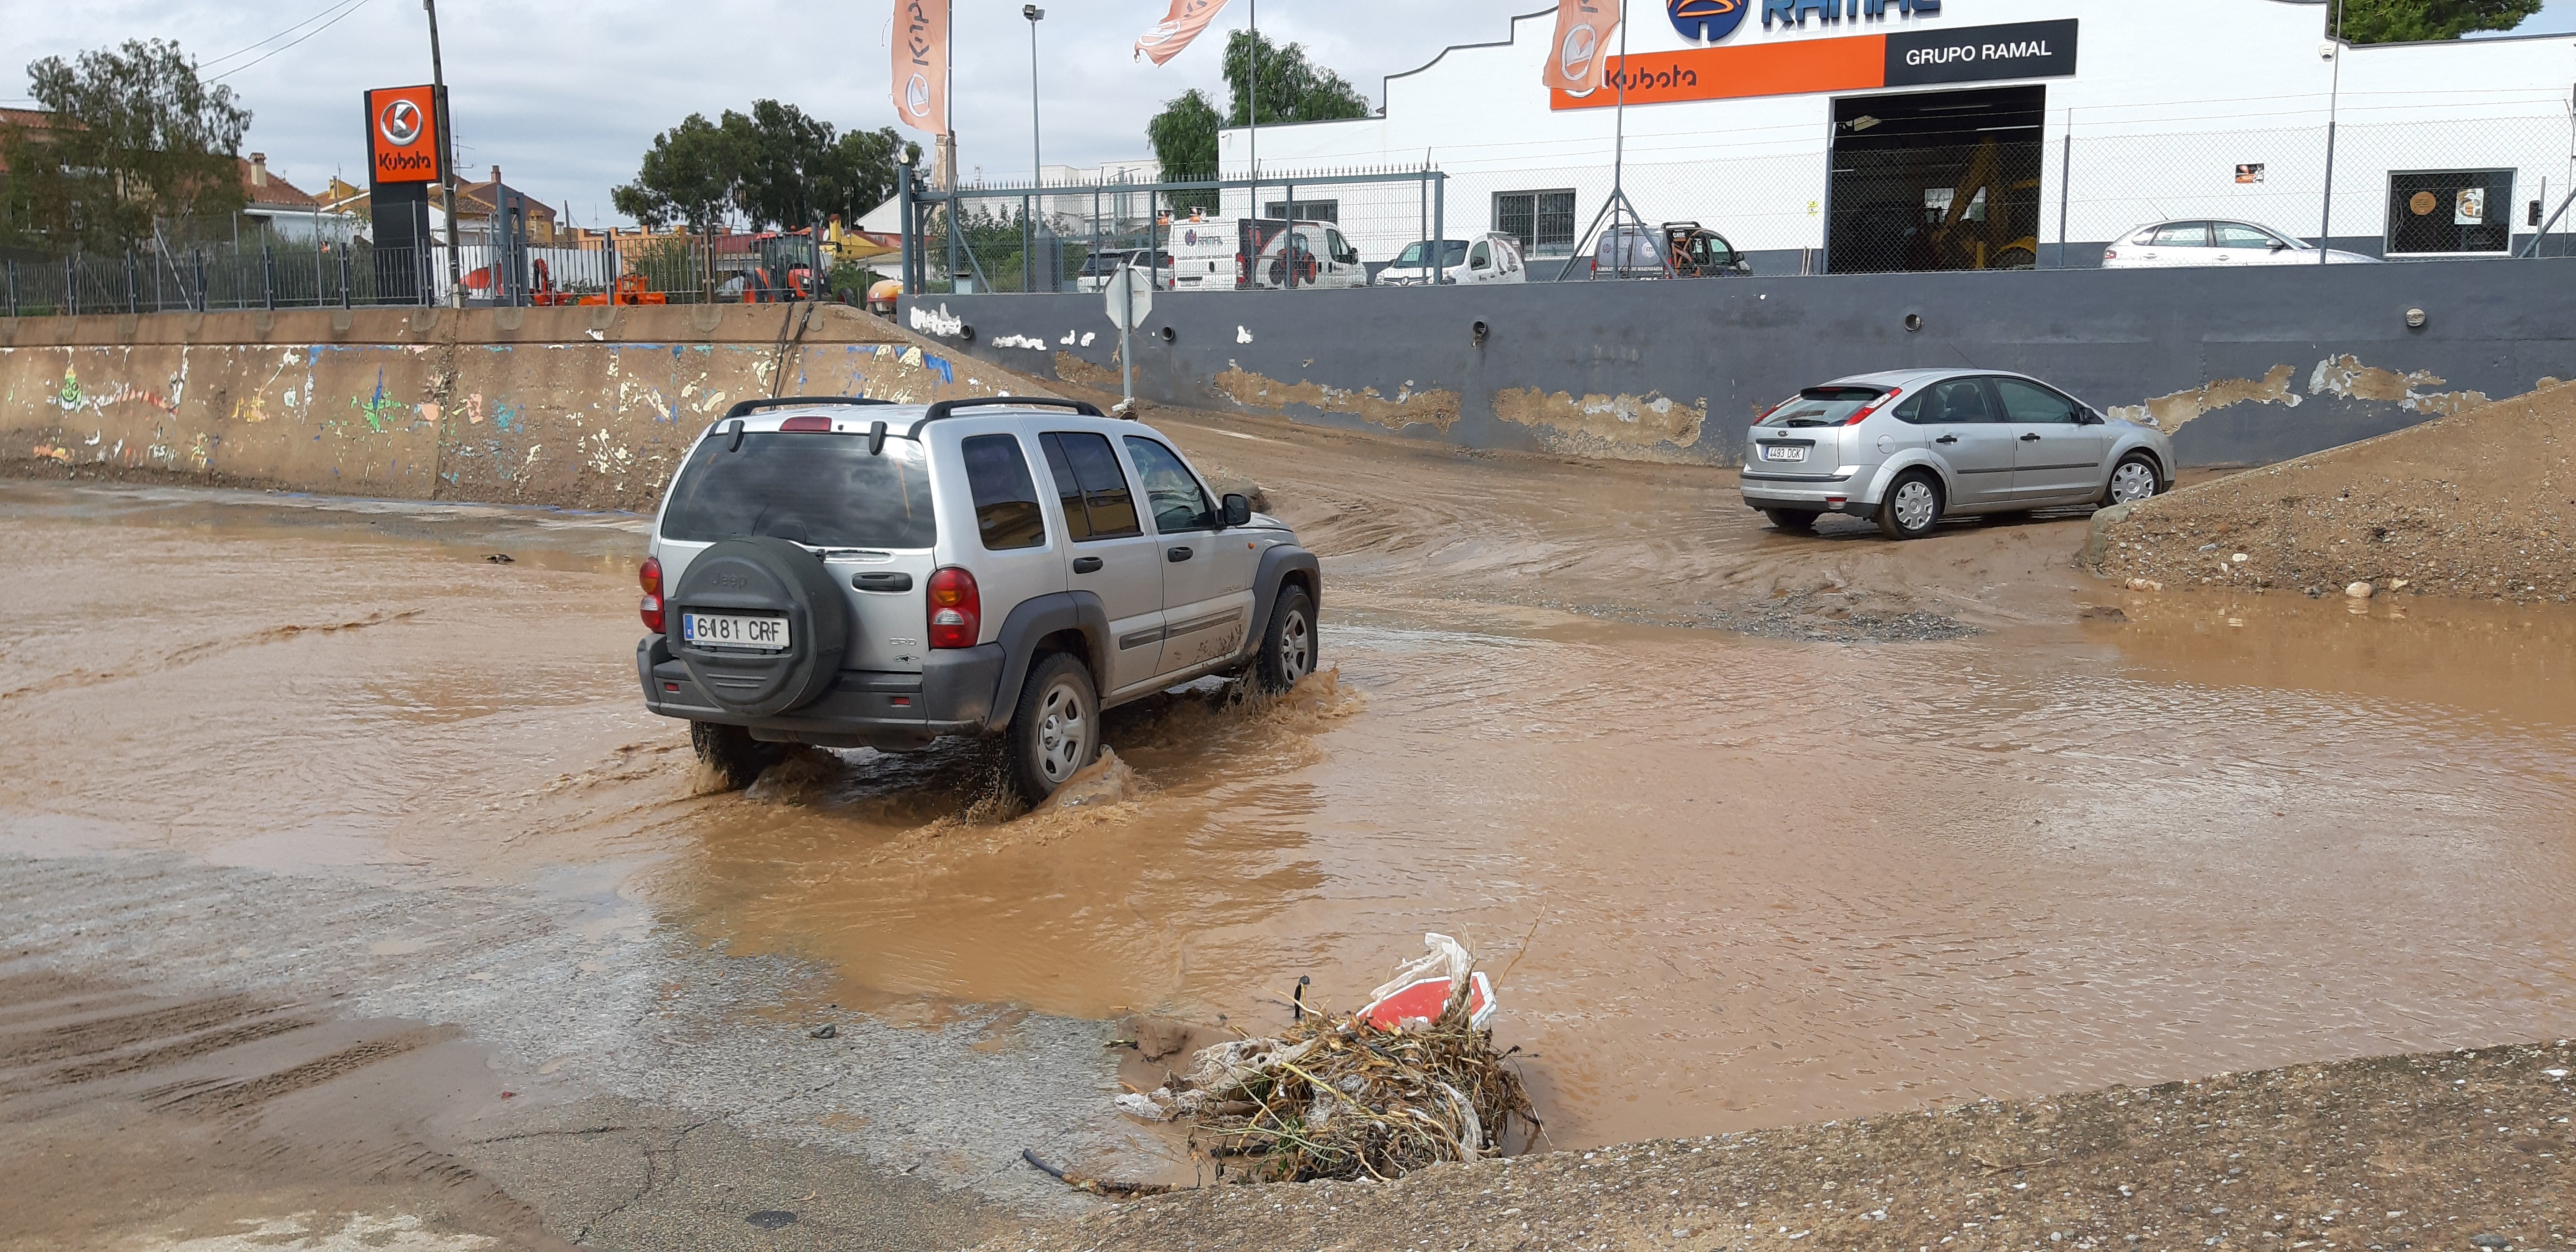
(578, 407)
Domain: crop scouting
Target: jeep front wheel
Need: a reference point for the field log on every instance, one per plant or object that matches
(1056, 729)
(1289, 644)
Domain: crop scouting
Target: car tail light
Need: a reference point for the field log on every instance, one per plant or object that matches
(2110, 254)
(651, 607)
(1242, 272)
(956, 609)
(1873, 406)
(808, 423)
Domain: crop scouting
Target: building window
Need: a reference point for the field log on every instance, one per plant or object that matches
(1543, 221)
(1307, 210)
(2434, 212)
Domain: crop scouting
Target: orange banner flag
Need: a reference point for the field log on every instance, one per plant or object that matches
(1164, 39)
(921, 64)
(1579, 59)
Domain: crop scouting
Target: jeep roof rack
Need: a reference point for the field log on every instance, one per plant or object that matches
(786, 402)
(949, 408)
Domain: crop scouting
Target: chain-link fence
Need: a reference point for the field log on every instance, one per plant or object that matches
(290, 274)
(1209, 234)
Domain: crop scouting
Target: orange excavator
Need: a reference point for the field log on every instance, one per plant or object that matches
(628, 289)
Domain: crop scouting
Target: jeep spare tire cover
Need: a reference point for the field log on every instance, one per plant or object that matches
(760, 578)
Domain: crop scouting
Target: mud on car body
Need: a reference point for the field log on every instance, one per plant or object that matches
(850, 573)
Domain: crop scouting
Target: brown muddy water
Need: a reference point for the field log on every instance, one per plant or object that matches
(1760, 881)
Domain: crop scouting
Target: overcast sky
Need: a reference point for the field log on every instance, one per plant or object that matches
(565, 95)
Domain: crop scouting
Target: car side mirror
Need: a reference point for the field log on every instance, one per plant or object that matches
(2278, 246)
(1236, 510)
(2087, 417)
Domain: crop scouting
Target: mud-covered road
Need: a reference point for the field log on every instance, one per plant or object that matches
(343, 874)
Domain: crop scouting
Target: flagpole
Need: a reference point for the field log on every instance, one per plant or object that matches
(1253, 89)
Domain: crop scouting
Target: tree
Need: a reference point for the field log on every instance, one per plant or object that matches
(134, 137)
(2403, 21)
(774, 166)
(1291, 89)
(1184, 139)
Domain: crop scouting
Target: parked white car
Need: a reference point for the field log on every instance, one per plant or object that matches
(1487, 258)
(2165, 245)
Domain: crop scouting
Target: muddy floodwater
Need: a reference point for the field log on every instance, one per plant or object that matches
(1725, 880)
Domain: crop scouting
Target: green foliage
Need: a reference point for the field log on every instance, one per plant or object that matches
(2403, 21)
(1184, 139)
(775, 166)
(134, 137)
(1290, 88)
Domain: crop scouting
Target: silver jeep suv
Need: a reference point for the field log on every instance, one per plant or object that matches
(851, 573)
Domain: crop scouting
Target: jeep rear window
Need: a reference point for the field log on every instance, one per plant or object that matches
(820, 490)
(1006, 500)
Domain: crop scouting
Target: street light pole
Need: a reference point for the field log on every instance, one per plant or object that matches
(446, 159)
(1037, 161)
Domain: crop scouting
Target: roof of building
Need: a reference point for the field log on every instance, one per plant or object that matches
(475, 199)
(264, 188)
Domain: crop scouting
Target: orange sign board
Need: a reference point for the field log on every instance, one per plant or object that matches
(403, 143)
(1783, 69)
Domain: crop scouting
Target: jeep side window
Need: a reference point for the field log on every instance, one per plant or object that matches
(1006, 500)
(1174, 492)
(1097, 503)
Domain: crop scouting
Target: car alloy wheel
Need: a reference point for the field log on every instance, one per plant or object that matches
(1915, 504)
(1064, 730)
(1296, 645)
(2135, 480)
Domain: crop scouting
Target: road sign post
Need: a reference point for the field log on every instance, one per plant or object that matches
(1130, 298)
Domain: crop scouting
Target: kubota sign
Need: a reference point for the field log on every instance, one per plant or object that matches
(403, 143)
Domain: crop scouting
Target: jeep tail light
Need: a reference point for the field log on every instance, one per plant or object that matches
(807, 423)
(1873, 406)
(956, 609)
(651, 607)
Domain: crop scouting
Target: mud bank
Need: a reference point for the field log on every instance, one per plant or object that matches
(2478, 504)
(2426, 1151)
(576, 407)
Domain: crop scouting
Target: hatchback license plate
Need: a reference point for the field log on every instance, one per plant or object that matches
(1776, 453)
(712, 630)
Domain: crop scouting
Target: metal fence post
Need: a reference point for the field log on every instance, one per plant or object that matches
(1288, 245)
(344, 275)
(201, 280)
(267, 277)
(2065, 187)
(1440, 222)
(13, 287)
(131, 296)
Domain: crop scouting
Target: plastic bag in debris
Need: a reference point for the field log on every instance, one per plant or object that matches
(1144, 1107)
(1422, 989)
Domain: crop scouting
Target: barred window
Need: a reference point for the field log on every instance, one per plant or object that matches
(1542, 221)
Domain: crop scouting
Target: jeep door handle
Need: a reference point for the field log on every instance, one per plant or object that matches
(881, 582)
(1086, 565)
(1947, 439)
(1177, 555)
(2030, 438)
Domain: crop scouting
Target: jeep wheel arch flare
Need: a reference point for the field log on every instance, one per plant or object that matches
(762, 577)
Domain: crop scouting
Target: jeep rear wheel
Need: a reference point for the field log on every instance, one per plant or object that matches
(731, 753)
(1055, 732)
(1289, 644)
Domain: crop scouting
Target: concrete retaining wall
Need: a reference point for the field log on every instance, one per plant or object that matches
(2242, 365)
(581, 407)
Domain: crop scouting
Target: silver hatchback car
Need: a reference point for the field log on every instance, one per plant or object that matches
(1910, 447)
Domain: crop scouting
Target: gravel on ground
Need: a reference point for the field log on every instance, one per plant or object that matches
(2479, 504)
(2468, 1150)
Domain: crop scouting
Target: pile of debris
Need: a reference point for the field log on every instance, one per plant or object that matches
(1411, 1080)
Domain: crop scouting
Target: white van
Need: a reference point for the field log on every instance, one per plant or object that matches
(1323, 258)
(1206, 252)
(1488, 258)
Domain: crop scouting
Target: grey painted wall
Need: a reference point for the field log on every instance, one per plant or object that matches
(2242, 365)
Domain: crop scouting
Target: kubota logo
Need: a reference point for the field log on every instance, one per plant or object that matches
(916, 95)
(1574, 60)
(400, 123)
(1706, 20)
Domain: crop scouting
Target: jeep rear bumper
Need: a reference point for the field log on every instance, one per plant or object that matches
(888, 710)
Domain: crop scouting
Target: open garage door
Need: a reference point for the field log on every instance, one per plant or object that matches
(1944, 180)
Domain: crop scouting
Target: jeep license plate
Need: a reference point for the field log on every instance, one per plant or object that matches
(1778, 453)
(717, 630)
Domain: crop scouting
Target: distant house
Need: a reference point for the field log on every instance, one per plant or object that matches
(474, 210)
(288, 212)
